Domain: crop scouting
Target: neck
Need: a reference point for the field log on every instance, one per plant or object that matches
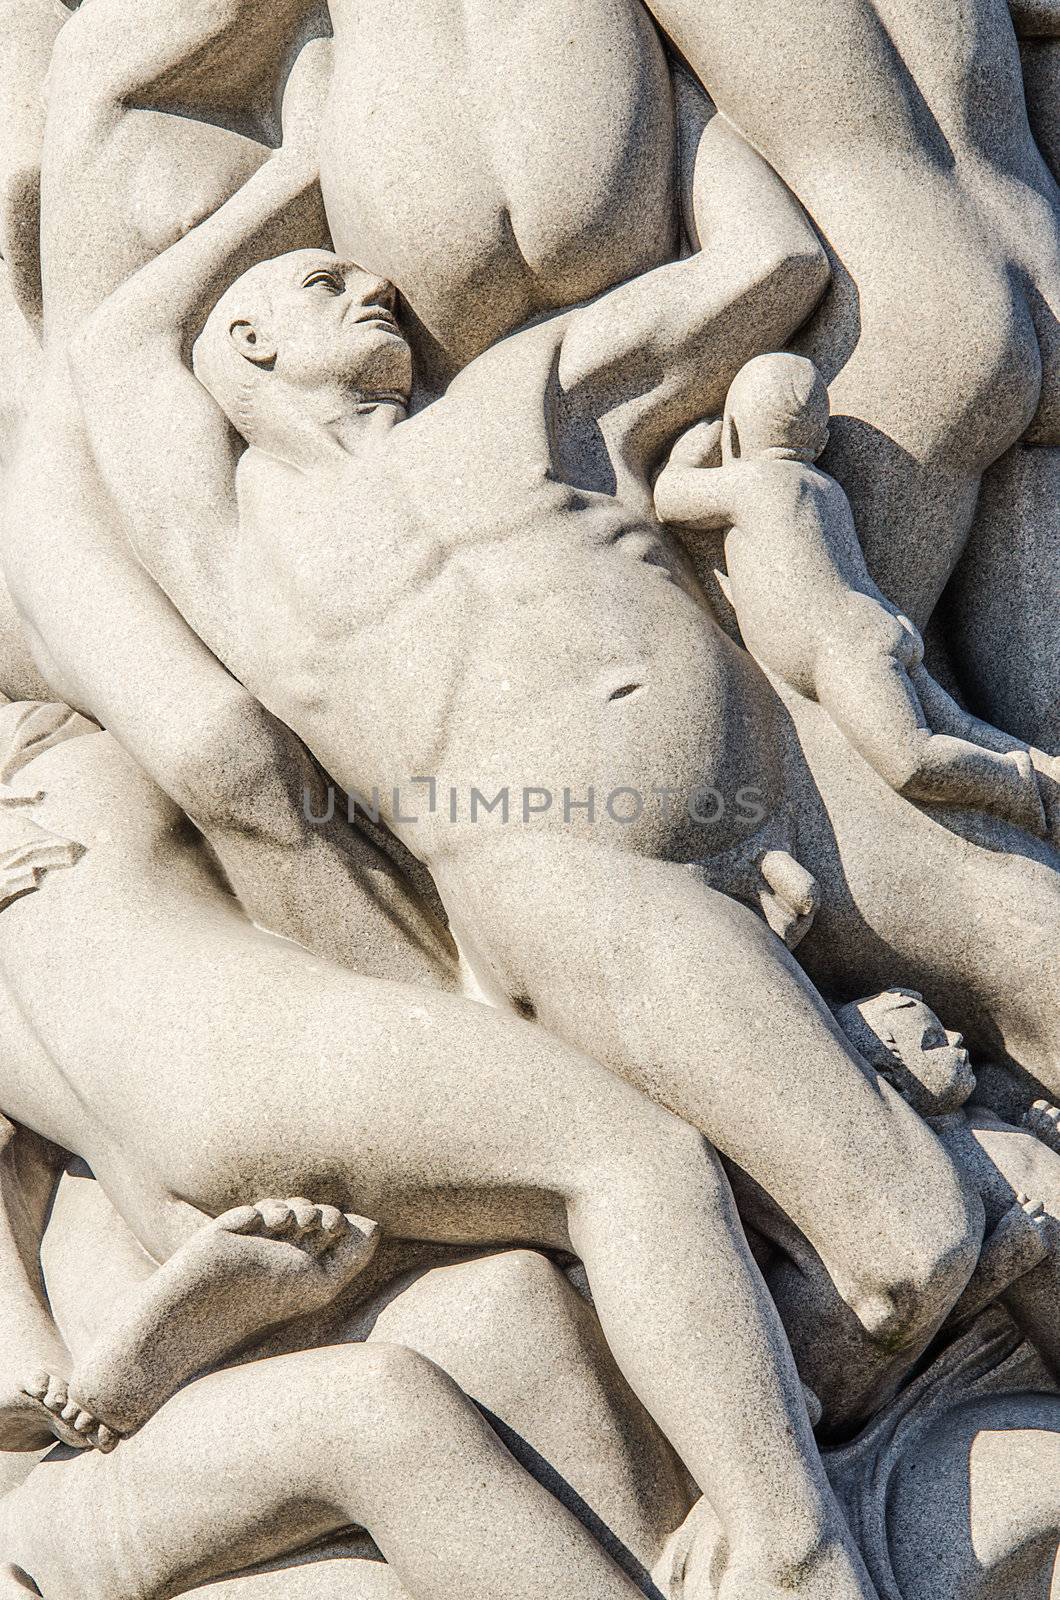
(346, 429)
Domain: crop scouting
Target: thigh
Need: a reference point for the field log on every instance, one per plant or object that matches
(514, 1334)
(1004, 624)
(136, 1523)
(688, 995)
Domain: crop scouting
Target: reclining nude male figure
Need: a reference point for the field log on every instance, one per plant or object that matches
(242, 1067)
(523, 620)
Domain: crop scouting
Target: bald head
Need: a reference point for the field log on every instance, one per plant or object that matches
(778, 402)
(304, 325)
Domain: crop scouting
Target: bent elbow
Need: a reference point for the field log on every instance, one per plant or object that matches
(800, 273)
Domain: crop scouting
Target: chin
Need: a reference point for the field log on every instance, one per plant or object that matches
(385, 364)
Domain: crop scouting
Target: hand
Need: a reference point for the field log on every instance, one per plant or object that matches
(699, 447)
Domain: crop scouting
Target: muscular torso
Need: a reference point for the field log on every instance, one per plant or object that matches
(551, 173)
(507, 615)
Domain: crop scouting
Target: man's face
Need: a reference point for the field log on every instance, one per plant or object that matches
(935, 1059)
(337, 324)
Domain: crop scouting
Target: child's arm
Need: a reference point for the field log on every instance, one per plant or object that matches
(699, 498)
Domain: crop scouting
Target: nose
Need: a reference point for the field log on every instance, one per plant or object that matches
(373, 291)
(956, 1039)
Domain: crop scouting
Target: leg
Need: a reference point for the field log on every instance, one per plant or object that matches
(865, 681)
(780, 1095)
(385, 1441)
(513, 1332)
(1003, 630)
(932, 364)
(249, 1271)
(541, 1146)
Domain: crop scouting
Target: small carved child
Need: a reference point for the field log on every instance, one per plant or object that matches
(807, 608)
(1014, 1170)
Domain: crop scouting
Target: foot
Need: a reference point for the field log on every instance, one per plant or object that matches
(47, 1413)
(1043, 1120)
(1024, 806)
(252, 1269)
(1024, 1238)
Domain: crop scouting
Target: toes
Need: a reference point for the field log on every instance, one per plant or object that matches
(242, 1219)
(333, 1226)
(305, 1213)
(83, 1422)
(57, 1396)
(277, 1217)
(105, 1439)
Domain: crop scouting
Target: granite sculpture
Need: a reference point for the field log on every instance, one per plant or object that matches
(528, 687)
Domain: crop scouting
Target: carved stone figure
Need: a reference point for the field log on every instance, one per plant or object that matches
(808, 610)
(550, 518)
(905, 138)
(374, 1062)
(529, 595)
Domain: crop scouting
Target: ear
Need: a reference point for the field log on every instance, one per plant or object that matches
(252, 345)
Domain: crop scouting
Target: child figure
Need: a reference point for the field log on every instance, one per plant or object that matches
(1014, 1170)
(807, 608)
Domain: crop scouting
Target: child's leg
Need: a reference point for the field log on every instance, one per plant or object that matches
(863, 683)
(688, 995)
(285, 1452)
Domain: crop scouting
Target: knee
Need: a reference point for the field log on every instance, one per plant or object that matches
(396, 1394)
(521, 1279)
(923, 1274)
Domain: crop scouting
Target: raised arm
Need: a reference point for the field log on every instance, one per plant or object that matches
(163, 447)
(668, 344)
(180, 54)
(699, 499)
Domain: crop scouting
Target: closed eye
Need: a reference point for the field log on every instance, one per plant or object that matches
(626, 690)
(333, 284)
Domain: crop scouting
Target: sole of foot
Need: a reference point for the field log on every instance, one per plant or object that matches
(249, 1270)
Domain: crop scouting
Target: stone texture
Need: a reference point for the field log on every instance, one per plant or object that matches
(529, 1013)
